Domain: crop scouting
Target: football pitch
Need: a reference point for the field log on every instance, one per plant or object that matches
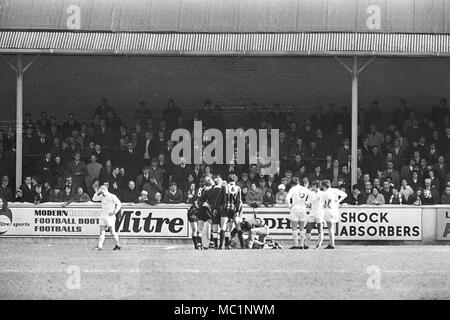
(75, 271)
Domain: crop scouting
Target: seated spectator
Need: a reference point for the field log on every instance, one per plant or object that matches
(80, 196)
(281, 194)
(445, 198)
(244, 181)
(254, 197)
(191, 194)
(38, 195)
(415, 182)
(244, 192)
(173, 195)
(143, 197)
(375, 198)
(5, 191)
(269, 199)
(55, 194)
(131, 193)
(405, 189)
(386, 190)
(356, 198)
(262, 185)
(366, 192)
(27, 191)
(397, 197)
(67, 194)
(430, 193)
(416, 198)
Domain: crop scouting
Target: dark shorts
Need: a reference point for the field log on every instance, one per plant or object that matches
(312, 225)
(215, 217)
(193, 214)
(203, 214)
(230, 214)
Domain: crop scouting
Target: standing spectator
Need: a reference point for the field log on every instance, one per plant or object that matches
(440, 112)
(70, 125)
(105, 172)
(375, 161)
(93, 169)
(180, 173)
(392, 174)
(104, 135)
(401, 114)
(77, 169)
(375, 115)
(171, 114)
(375, 137)
(142, 112)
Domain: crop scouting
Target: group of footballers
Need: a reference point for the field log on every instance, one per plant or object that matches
(219, 203)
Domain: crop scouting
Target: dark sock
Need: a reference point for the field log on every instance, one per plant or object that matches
(227, 241)
(194, 238)
(222, 236)
(199, 241)
(241, 238)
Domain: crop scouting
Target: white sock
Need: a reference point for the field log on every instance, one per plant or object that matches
(295, 237)
(302, 237)
(116, 238)
(101, 239)
(308, 238)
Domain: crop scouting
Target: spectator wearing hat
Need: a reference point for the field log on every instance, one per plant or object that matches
(173, 195)
(281, 194)
(5, 190)
(262, 185)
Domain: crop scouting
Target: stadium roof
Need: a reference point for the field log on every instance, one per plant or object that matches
(226, 27)
(217, 16)
(302, 44)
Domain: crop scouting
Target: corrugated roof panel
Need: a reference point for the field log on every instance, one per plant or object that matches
(224, 43)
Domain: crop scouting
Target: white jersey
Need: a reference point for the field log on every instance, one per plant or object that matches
(110, 204)
(317, 200)
(299, 195)
(332, 195)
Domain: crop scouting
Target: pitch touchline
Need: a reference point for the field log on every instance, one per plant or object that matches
(220, 271)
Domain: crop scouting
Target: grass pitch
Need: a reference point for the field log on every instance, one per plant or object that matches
(61, 271)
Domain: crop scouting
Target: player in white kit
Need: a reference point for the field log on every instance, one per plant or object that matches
(333, 197)
(296, 200)
(316, 215)
(110, 206)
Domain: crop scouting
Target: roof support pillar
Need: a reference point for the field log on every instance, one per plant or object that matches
(20, 70)
(354, 71)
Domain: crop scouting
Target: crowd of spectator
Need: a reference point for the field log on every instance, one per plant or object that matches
(402, 159)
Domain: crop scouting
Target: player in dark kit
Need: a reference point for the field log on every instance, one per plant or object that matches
(200, 212)
(233, 203)
(216, 198)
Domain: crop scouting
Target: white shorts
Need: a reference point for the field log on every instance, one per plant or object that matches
(109, 221)
(317, 218)
(298, 214)
(332, 216)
